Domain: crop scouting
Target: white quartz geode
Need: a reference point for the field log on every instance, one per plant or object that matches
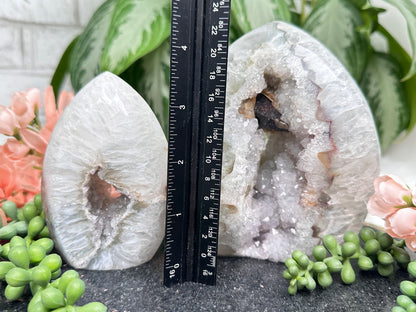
(107, 136)
(283, 190)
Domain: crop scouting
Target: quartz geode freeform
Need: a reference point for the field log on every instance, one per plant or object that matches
(104, 178)
(300, 146)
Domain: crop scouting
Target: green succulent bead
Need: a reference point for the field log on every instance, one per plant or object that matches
(404, 301)
(94, 307)
(5, 266)
(319, 267)
(37, 200)
(44, 232)
(348, 249)
(385, 258)
(46, 243)
(38, 307)
(36, 225)
(330, 243)
(311, 282)
(302, 281)
(36, 253)
(19, 255)
(411, 308)
(292, 290)
(21, 228)
(29, 211)
(401, 255)
(398, 309)
(10, 209)
(367, 233)
(365, 263)
(303, 261)
(286, 275)
(8, 231)
(13, 293)
(347, 272)
(290, 262)
(52, 298)
(34, 288)
(18, 277)
(56, 274)
(372, 247)
(408, 288)
(74, 290)
(41, 275)
(385, 240)
(52, 261)
(334, 265)
(20, 215)
(351, 237)
(319, 253)
(17, 241)
(411, 268)
(293, 270)
(5, 251)
(325, 279)
(385, 269)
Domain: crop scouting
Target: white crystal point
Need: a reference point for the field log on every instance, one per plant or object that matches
(107, 136)
(283, 190)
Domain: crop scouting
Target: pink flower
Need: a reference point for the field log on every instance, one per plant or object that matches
(22, 155)
(24, 104)
(390, 194)
(394, 202)
(8, 121)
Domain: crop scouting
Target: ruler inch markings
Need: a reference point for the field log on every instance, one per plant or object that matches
(199, 45)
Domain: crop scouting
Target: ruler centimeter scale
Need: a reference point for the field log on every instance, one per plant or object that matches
(199, 49)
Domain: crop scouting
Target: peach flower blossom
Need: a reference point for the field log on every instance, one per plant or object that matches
(394, 202)
(22, 155)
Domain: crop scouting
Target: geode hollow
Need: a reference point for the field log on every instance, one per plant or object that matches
(300, 146)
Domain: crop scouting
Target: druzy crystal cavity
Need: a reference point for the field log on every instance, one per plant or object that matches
(300, 146)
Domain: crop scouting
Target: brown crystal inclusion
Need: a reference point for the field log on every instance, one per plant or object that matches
(264, 107)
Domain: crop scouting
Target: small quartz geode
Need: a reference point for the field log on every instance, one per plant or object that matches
(104, 178)
(300, 146)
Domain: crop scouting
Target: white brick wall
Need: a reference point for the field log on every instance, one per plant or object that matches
(33, 36)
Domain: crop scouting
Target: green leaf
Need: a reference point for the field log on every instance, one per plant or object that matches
(249, 14)
(408, 10)
(401, 56)
(334, 23)
(137, 28)
(85, 58)
(150, 77)
(386, 96)
(62, 69)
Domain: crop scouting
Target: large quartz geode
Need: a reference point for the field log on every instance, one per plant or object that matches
(300, 146)
(104, 178)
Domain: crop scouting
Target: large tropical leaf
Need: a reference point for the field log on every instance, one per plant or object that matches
(85, 58)
(386, 96)
(62, 69)
(408, 10)
(137, 27)
(335, 23)
(401, 56)
(249, 14)
(153, 82)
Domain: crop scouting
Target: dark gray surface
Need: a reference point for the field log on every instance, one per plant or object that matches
(242, 285)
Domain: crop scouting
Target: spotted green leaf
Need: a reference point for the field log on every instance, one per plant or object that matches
(249, 14)
(408, 10)
(137, 28)
(401, 56)
(386, 96)
(84, 63)
(153, 82)
(335, 23)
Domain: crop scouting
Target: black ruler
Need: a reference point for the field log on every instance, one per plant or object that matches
(199, 49)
